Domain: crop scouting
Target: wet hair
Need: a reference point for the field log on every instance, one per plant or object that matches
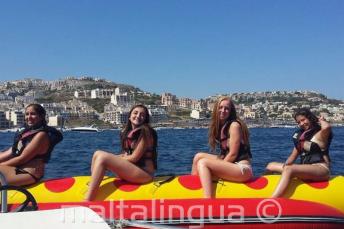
(313, 119)
(39, 110)
(215, 128)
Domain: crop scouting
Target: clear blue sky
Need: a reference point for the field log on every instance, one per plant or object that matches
(189, 48)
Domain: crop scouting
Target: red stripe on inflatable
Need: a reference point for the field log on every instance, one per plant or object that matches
(318, 184)
(59, 185)
(125, 186)
(203, 208)
(257, 183)
(190, 182)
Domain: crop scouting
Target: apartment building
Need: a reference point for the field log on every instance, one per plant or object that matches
(116, 114)
(198, 114)
(17, 118)
(4, 122)
(121, 98)
(168, 99)
(101, 93)
(185, 102)
(157, 114)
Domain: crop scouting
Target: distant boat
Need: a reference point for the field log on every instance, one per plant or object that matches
(85, 129)
(9, 130)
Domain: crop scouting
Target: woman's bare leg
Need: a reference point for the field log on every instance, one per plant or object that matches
(15, 179)
(199, 156)
(311, 172)
(124, 169)
(222, 169)
(274, 167)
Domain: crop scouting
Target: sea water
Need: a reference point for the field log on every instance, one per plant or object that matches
(176, 148)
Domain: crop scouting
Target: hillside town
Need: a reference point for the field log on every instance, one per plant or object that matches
(78, 100)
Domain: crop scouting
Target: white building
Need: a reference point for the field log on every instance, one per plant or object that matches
(198, 114)
(101, 93)
(250, 114)
(55, 120)
(82, 94)
(168, 99)
(157, 114)
(115, 114)
(16, 117)
(121, 98)
(4, 122)
(24, 99)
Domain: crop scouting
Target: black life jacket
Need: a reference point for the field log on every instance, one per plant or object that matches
(131, 141)
(244, 150)
(24, 136)
(310, 152)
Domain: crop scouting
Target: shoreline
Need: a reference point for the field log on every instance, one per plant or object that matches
(188, 124)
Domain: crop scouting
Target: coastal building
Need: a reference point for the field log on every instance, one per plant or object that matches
(157, 114)
(199, 104)
(24, 99)
(15, 117)
(185, 102)
(101, 93)
(119, 114)
(73, 109)
(55, 121)
(82, 94)
(210, 105)
(6, 98)
(35, 94)
(198, 114)
(168, 99)
(121, 98)
(115, 114)
(249, 115)
(4, 122)
(287, 115)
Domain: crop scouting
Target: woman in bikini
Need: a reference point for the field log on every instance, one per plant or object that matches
(138, 160)
(24, 162)
(311, 141)
(234, 160)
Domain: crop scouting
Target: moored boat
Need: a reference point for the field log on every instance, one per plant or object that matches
(85, 129)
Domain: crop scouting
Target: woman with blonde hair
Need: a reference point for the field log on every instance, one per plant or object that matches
(234, 160)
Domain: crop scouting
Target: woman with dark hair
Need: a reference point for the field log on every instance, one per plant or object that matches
(234, 160)
(24, 162)
(311, 141)
(138, 160)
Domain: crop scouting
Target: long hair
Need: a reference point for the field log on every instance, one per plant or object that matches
(313, 119)
(145, 127)
(215, 127)
(40, 111)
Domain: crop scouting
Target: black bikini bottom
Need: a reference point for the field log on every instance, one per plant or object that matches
(23, 171)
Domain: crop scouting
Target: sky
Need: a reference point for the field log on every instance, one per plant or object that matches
(189, 48)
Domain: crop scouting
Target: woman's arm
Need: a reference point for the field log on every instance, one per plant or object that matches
(39, 144)
(325, 129)
(5, 155)
(137, 153)
(292, 157)
(234, 141)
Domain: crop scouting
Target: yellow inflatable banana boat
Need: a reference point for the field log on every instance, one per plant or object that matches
(184, 187)
(186, 191)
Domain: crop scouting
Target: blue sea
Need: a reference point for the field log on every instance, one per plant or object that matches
(176, 148)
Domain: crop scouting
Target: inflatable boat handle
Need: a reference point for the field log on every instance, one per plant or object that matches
(3, 194)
